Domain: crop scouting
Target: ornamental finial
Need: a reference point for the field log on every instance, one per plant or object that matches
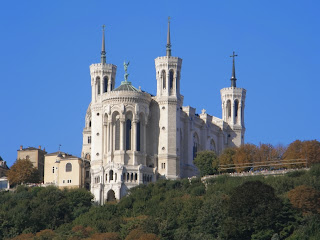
(233, 77)
(103, 50)
(168, 39)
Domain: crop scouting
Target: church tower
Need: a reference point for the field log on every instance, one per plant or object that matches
(233, 103)
(168, 69)
(102, 82)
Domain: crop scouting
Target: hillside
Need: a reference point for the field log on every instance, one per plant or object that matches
(281, 207)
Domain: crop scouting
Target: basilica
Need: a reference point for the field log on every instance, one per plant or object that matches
(132, 137)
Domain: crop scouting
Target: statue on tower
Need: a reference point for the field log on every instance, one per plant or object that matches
(125, 65)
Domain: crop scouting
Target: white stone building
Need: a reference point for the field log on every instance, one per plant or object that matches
(132, 137)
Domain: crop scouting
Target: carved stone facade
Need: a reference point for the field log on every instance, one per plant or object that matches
(132, 137)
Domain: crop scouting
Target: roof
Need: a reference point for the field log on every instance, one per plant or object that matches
(31, 149)
(64, 155)
(126, 86)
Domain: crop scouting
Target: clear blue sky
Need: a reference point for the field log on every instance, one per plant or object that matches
(46, 48)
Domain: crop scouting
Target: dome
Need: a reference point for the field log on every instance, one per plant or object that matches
(126, 86)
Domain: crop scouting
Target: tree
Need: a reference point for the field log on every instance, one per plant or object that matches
(206, 162)
(253, 210)
(245, 156)
(305, 198)
(22, 171)
(309, 150)
(226, 160)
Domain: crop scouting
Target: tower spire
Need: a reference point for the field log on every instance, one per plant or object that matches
(103, 50)
(233, 77)
(168, 39)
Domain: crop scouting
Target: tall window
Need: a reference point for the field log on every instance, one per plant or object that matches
(138, 136)
(195, 145)
(89, 139)
(163, 76)
(111, 175)
(98, 86)
(171, 79)
(128, 134)
(228, 108)
(105, 84)
(117, 135)
(68, 167)
(212, 145)
(236, 106)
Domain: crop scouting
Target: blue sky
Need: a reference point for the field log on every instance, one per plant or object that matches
(46, 48)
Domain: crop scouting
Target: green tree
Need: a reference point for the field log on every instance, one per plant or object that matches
(23, 171)
(207, 162)
(253, 212)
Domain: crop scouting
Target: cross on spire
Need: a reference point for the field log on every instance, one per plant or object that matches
(103, 50)
(168, 39)
(233, 77)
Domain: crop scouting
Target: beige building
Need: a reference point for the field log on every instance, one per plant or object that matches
(4, 183)
(133, 137)
(66, 171)
(35, 155)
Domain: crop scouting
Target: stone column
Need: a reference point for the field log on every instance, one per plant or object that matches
(239, 114)
(232, 112)
(105, 138)
(108, 137)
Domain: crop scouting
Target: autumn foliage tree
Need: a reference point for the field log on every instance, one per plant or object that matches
(23, 171)
(305, 198)
(309, 150)
(245, 156)
(226, 160)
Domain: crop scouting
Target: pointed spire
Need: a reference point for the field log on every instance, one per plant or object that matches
(103, 50)
(233, 77)
(168, 39)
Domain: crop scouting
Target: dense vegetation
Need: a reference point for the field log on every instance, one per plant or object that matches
(264, 208)
(249, 157)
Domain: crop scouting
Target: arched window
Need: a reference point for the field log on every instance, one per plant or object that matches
(88, 157)
(106, 177)
(236, 106)
(135, 176)
(138, 136)
(123, 177)
(68, 167)
(90, 124)
(89, 139)
(171, 79)
(195, 145)
(163, 76)
(115, 177)
(52, 169)
(117, 135)
(98, 86)
(128, 177)
(105, 84)
(131, 176)
(228, 108)
(111, 175)
(212, 145)
(128, 134)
